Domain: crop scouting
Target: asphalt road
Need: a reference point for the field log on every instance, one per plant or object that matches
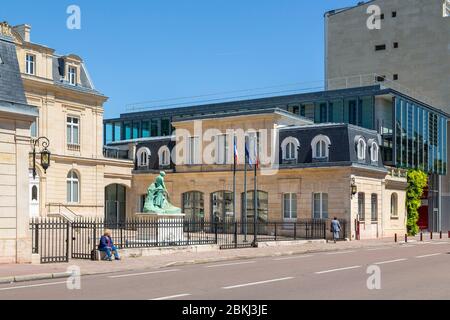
(408, 271)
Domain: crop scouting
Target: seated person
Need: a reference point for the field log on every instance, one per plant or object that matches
(106, 245)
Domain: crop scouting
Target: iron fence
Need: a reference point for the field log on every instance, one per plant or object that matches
(55, 239)
(50, 238)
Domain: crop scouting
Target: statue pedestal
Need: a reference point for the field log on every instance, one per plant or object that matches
(160, 229)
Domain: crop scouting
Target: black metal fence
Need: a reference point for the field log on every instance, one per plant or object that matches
(55, 240)
(50, 238)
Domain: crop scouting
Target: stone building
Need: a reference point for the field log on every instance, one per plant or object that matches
(408, 51)
(16, 117)
(71, 116)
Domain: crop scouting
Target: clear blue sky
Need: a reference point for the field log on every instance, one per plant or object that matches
(140, 50)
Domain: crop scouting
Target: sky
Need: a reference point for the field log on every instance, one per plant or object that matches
(149, 53)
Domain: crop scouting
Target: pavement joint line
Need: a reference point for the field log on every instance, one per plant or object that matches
(338, 269)
(429, 255)
(172, 297)
(230, 264)
(295, 257)
(257, 283)
(437, 243)
(33, 285)
(390, 261)
(142, 273)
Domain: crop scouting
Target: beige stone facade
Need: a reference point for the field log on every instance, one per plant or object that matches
(15, 236)
(58, 100)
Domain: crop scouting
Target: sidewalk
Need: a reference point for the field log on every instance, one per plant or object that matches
(19, 273)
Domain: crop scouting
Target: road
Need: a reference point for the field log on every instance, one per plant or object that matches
(408, 271)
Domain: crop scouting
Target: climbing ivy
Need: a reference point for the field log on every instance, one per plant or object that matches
(417, 181)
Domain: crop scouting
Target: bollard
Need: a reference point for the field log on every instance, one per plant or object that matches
(440, 235)
(421, 236)
(395, 237)
(431, 235)
(449, 234)
(406, 237)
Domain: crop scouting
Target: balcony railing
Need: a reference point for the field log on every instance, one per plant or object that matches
(73, 147)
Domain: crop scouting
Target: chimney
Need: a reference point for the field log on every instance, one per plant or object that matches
(24, 30)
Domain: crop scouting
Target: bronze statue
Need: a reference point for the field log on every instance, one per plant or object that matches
(157, 195)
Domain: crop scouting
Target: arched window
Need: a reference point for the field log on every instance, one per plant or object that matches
(289, 148)
(73, 187)
(374, 150)
(361, 148)
(394, 205)
(143, 155)
(164, 156)
(34, 193)
(320, 147)
(221, 206)
(194, 205)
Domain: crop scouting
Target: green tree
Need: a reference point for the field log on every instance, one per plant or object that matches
(417, 181)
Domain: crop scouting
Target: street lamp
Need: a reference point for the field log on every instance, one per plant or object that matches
(41, 143)
(354, 188)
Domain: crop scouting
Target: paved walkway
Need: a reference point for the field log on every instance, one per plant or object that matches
(45, 271)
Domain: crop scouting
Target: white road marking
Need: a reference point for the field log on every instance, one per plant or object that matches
(429, 255)
(439, 243)
(142, 273)
(390, 261)
(256, 283)
(406, 246)
(375, 249)
(340, 252)
(339, 269)
(289, 258)
(173, 297)
(229, 264)
(33, 285)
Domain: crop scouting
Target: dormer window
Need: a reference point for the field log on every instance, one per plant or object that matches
(361, 149)
(72, 75)
(30, 64)
(289, 148)
(320, 147)
(374, 150)
(143, 156)
(164, 156)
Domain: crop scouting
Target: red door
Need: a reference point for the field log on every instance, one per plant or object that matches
(423, 211)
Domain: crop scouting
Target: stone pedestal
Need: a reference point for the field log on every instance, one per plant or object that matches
(161, 229)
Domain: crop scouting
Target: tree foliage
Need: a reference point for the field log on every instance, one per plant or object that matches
(417, 181)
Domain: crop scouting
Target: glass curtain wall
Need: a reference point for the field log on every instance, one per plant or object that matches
(421, 138)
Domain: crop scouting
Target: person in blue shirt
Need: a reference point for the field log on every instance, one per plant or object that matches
(107, 245)
(335, 228)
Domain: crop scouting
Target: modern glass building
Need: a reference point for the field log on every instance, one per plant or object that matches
(414, 134)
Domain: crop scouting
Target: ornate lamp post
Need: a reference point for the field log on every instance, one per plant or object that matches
(41, 143)
(354, 188)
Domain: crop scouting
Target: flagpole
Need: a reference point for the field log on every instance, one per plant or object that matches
(245, 191)
(255, 193)
(234, 177)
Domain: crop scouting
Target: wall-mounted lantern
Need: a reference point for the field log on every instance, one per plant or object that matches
(41, 143)
(354, 187)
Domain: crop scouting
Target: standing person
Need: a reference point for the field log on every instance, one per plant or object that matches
(335, 228)
(107, 245)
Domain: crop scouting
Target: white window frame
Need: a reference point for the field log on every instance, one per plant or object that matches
(374, 213)
(362, 206)
(321, 209)
(292, 214)
(143, 155)
(72, 74)
(164, 156)
(361, 146)
(193, 149)
(374, 150)
(222, 149)
(30, 64)
(73, 125)
(72, 180)
(324, 143)
(286, 148)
